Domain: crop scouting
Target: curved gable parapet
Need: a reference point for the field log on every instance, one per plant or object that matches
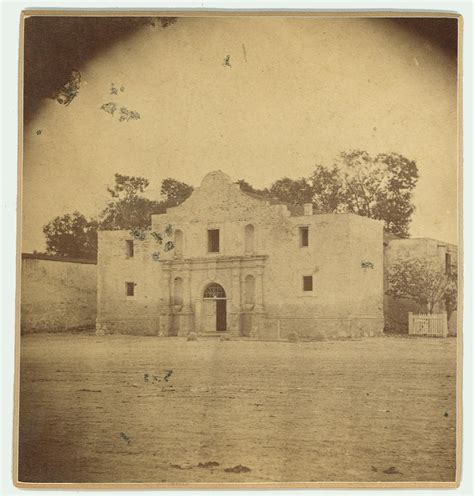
(219, 199)
(215, 179)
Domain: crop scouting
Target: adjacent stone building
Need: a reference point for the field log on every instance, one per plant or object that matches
(226, 261)
(57, 293)
(440, 255)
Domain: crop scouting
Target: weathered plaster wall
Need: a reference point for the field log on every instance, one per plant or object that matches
(366, 268)
(345, 299)
(117, 312)
(57, 295)
(396, 310)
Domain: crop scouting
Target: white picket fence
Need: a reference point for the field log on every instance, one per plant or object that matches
(428, 324)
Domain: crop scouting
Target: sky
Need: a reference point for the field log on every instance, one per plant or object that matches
(257, 97)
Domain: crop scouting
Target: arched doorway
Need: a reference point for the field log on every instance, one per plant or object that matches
(215, 308)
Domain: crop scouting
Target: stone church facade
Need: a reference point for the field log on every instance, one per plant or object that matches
(229, 262)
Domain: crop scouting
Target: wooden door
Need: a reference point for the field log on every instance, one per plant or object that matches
(221, 315)
(208, 315)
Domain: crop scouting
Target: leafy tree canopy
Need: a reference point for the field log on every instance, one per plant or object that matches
(294, 191)
(424, 281)
(71, 235)
(136, 212)
(248, 188)
(127, 188)
(329, 195)
(175, 192)
(379, 187)
(130, 209)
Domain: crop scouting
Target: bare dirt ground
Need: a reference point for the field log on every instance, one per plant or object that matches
(376, 409)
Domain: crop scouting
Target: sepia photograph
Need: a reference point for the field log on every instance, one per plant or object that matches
(240, 250)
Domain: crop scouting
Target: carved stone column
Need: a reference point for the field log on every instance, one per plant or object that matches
(187, 299)
(186, 313)
(165, 306)
(236, 302)
(198, 316)
(259, 309)
(259, 298)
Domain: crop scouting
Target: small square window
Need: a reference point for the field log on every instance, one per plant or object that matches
(304, 236)
(213, 240)
(130, 286)
(129, 247)
(307, 283)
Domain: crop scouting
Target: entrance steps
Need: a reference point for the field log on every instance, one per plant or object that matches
(214, 334)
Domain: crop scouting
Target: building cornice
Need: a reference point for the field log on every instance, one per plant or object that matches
(218, 262)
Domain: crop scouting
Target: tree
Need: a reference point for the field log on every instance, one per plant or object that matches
(248, 188)
(71, 235)
(424, 281)
(380, 187)
(127, 188)
(136, 212)
(175, 192)
(293, 191)
(129, 209)
(451, 294)
(329, 195)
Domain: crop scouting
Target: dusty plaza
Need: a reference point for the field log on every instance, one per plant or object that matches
(161, 409)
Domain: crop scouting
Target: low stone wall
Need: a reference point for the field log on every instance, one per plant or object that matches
(57, 294)
(319, 329)
(136, 327)
(264, 329)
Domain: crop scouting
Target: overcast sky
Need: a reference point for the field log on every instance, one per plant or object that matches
(295, 92)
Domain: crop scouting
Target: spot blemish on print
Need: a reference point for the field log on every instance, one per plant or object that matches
(137, 233)
(169, 246)
(157, 237)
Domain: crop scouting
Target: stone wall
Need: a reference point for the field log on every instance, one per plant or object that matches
(57, 294)
(116, 311)
(346, 299)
